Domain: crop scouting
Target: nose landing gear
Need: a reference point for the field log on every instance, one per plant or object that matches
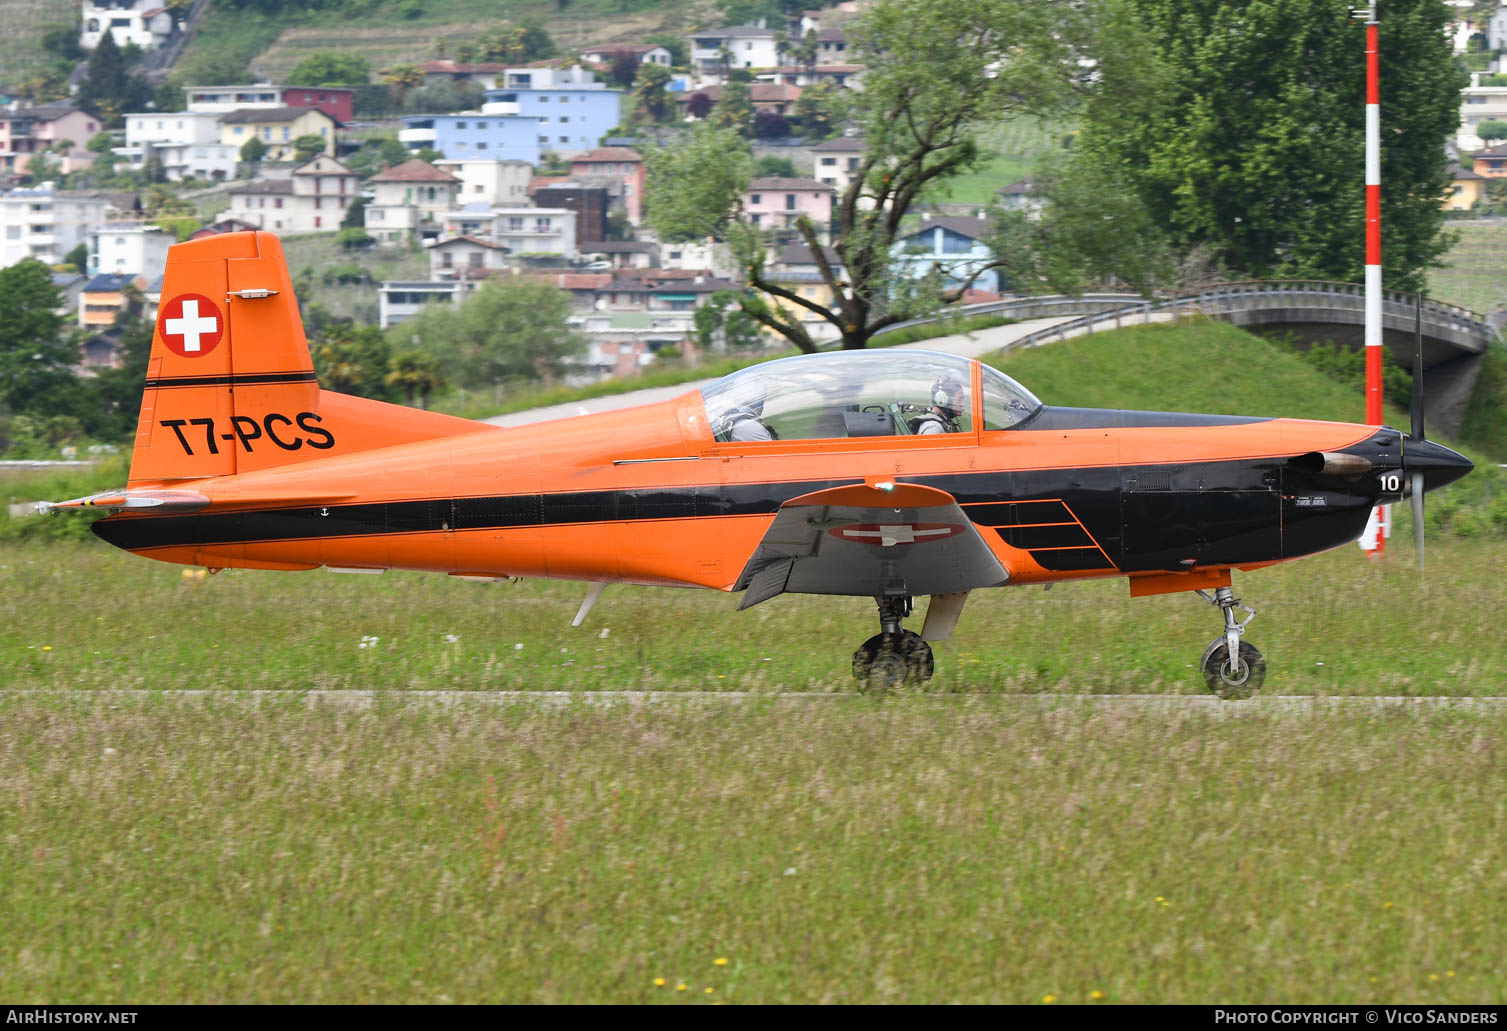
(893, 656)
(1232, 669)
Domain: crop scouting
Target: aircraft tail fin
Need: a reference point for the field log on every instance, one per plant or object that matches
(230, 385)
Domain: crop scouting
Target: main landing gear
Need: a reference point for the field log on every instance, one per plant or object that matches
(893, 656)
(1232, 669)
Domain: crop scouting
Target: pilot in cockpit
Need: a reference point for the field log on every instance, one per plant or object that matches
(949, 396)
(746, 421)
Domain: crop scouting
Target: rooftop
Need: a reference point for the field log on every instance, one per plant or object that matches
(271, 114)
(607, 154)
(779, 183)
(413, 171)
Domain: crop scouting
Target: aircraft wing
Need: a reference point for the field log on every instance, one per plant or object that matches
(870, 539)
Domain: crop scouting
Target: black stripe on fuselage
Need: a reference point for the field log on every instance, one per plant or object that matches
(254, 379)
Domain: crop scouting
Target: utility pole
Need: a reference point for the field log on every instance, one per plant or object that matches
(1374, 539)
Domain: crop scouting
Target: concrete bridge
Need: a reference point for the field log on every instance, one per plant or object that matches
(1454, 338)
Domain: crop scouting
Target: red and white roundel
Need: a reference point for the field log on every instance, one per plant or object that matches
(191, 325)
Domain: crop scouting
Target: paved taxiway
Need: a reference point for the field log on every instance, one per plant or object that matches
(1302, 705)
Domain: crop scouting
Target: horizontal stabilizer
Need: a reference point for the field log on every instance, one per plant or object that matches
(179, 502)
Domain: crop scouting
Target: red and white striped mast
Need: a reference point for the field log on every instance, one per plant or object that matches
(1378, 529)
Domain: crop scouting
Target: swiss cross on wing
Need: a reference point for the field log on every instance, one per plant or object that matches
(191, 325)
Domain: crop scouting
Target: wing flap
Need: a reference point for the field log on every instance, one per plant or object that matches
(869, 540)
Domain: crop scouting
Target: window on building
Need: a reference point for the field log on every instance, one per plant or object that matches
(447, 260)
(564, 139)
(460, 125)
(789, 202)
(481, 146)
(317, 221)
(515, 223)
(476, 259)
(829, 161)
(481, 125)
(544, 99)
(277, 202)
(754, 199)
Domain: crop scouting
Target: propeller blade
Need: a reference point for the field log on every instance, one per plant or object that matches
(1417, 399)
(1417, 490)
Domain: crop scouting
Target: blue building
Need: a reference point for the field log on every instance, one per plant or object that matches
(573, 110)
(953, 244)
(472, 136)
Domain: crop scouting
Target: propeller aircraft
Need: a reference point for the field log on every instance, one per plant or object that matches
(888, 474)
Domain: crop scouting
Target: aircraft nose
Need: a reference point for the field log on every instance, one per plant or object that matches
(1438, 464)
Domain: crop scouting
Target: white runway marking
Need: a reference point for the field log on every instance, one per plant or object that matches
(1204, 704)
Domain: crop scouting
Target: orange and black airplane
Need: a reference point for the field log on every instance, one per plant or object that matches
(883, 474)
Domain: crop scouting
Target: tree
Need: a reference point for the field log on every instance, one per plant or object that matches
(507, 331)
(253, 150)
(1240, 127)
(403, 77)
(721, 322)
(444, 96)
(109, 90)
(698, 105)
(650, 89)
(376, 154)
(823, 108)
(353, 359)
(170, 96)
(355, 215)
(1492, 131)
(416, 374)
(692, 190)
(307, 147)
(623, 69)
(771, 167)
(735, 108)
(36, 357)
(328, 68)
(936, 69)
(767, 125)
(79, 257)
(354, 238)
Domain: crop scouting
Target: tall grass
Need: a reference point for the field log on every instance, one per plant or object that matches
(169, 852)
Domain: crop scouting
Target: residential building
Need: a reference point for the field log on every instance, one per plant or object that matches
(408, 200)
(186, 143)
(1467, 189)
(953, 244)
(716, 258)
(336, 101)
(1492, 163)
(61, 129)
(465, 257)
(588, 202)
(778, 202)
(46, 224)
(774, 97)
(835, 161)
(1479, 104)
(278, 128)
(498, 183)
(147, 23)
(104, 297)
(644, 53)
(737, 46)
(70, 287)
(846, 75)
(660, 290)
(131, 248)
(483, 73)
(225, 224)
(313, 199)
(1496, 29)
(526, 232)
(399, 300)
(1022, 195)
(573, 110)
(466, 136)
(620, 253)
(618, 169)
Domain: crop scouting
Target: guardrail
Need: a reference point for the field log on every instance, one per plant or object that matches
(1225, 299)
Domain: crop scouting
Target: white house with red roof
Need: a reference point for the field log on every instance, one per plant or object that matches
(313, 199)
(408, 197)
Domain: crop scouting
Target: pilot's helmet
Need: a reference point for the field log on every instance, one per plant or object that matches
(949, 394)
(753, 396)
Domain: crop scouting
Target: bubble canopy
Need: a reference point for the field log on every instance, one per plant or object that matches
(865, 394)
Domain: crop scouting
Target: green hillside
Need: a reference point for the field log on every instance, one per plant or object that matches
(232, 43)
(1217, 368)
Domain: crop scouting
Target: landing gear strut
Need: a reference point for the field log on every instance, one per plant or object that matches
(1232, 669)
(893, 656)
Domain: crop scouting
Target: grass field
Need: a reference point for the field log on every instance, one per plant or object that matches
(1012, 151)
(1475, 272)
(316, 253)
(868, 851)
(955, 844)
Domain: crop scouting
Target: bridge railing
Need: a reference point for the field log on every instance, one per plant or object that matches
(1228, 298)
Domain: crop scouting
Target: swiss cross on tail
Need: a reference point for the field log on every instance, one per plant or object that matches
(191, 325)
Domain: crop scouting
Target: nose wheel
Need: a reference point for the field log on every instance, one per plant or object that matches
(894, 656)
(1232, 669)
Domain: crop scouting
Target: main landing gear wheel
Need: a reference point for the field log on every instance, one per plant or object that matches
(1232, 669)
(893, 656)
(1232, 682)
(885, 661)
